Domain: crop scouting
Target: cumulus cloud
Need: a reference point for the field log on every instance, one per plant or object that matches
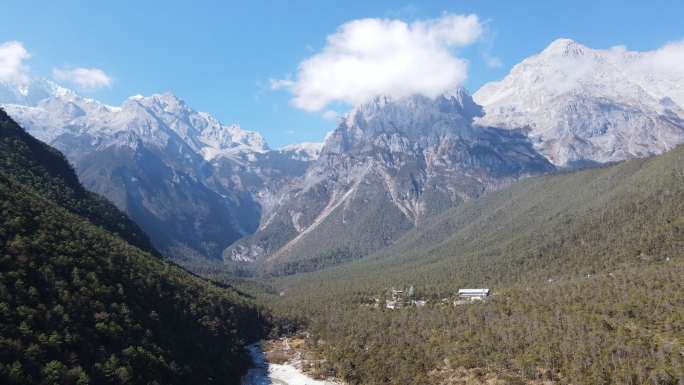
(668, 60)
(12, 54)
(329, 115)
(370, 57)
(87, 79)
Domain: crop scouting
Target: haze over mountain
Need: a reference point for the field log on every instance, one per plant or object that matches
(302, 151)
(32, 92)
(583, 106)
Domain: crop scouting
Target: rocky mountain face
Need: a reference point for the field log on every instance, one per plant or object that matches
(583, 106)
(192, 184)
(389, 164)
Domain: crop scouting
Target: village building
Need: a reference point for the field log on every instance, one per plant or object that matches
(419, 303)
(473, 294)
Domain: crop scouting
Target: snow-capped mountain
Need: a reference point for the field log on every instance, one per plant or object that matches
(193, 184)
(415, 116)
(30, 90)
(152, 120)
(581, 105)
(204, 189)
(389, 164)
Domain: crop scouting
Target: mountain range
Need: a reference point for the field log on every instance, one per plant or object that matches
(193, 184)
(204, 191)
(513, 189)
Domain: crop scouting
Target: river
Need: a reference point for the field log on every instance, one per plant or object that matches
(263, 373)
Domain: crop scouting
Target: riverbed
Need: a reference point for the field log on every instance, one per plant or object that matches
(263, 373)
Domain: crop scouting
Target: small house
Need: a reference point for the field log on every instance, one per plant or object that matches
(396, 294)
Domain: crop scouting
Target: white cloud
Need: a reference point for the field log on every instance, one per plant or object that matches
(329, 115)
(370, 57)
(12, 53)
(668, 60)
(87, 79)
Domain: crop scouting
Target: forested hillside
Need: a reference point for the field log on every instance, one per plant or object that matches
(586, 270)
(84, 299)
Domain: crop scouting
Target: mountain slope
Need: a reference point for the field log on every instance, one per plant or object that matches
(388, 165)
(85, 299)
(583, 106)
(194, 185)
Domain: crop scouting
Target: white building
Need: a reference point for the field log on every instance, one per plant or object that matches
(473, 294)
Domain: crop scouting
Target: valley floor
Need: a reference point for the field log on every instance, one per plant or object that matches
(263, 373)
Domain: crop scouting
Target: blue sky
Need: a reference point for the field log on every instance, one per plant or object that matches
(223, 57)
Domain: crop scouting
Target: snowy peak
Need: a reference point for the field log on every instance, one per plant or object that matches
(421, 119)
(153, 120)
(583, 105)
(202, 131)
(566, 66)
(31, 91)
(164, 103)
(565, 48)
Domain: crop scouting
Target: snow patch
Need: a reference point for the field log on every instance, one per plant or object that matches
(307, 151)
